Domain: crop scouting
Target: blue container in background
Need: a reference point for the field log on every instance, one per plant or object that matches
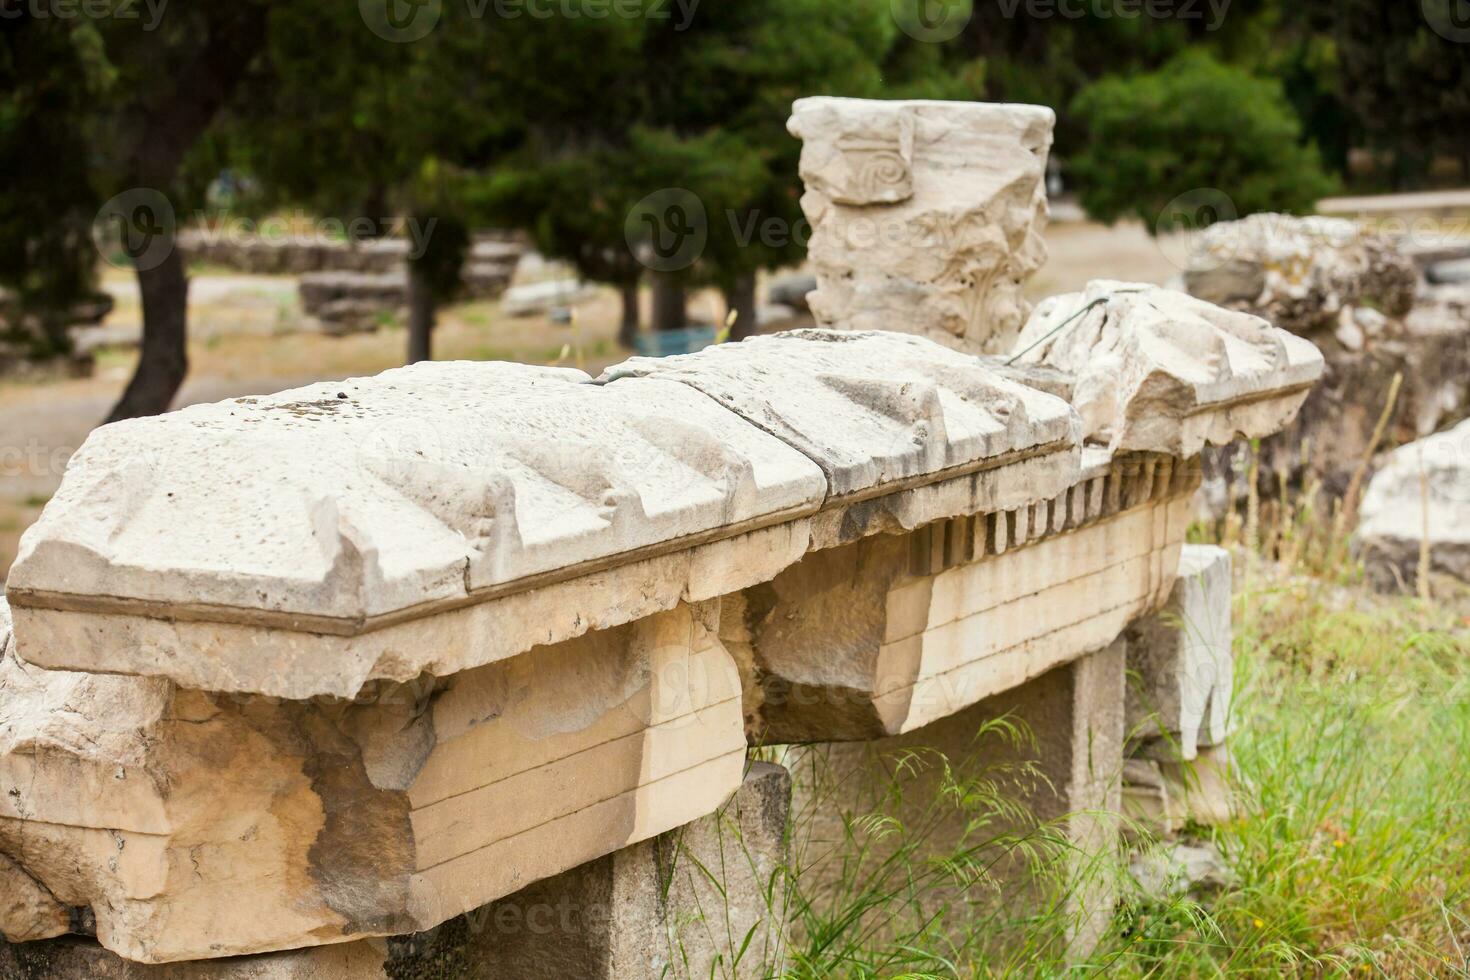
(663, 343)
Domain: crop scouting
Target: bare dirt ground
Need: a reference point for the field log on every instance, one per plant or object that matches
(246, 338)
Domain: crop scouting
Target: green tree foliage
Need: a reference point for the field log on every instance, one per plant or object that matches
(617, 109)
(46, 212)
(1194, 124)
(339, 120)
(1404, 68)
(91, 107)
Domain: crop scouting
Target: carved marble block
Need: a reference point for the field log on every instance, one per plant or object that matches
(926, 217)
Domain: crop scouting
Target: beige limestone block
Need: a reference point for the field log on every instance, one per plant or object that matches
(645, 911)
(894, 632)
(168, 811)
(1160, 371)
(927, 217)
(27, 910)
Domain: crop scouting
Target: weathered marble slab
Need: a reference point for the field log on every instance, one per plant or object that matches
(1418, 501)
(872, 409)
(367, 497)
(927, 217)
(305, 543)
(1156, 370)
(167, 812)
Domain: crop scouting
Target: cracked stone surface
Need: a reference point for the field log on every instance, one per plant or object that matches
(1159, 371)
(168, 812)
(868, 407)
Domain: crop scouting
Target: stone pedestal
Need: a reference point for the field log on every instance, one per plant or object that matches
(1064, 787)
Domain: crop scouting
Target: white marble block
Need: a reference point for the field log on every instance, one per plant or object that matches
(927, 217)
(1180, 665)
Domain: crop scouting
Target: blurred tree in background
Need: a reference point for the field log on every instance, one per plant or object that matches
(1404, 68)
(616, 110)
(1193, 124)
(340, 121)
(47, 79)
(101, 107)
(560, 126)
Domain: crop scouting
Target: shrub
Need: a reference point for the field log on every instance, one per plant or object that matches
(1194, 125)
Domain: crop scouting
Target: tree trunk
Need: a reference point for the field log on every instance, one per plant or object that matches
(165, 127)
(740, 300)
(421, 314)
(163, 359)
(628, 327)
(669, 309)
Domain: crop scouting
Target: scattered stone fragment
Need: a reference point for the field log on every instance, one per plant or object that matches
(1421, 493)
(1169, 870)
(1300, 273)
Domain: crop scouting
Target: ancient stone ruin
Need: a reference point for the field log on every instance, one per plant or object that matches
(1360, 298)
(351, 286)
(337, 682)
(926, 216)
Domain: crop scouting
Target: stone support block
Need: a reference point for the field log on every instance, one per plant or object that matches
(1069, 777)
(1180, 664)
(168, 811)
(894, 632)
